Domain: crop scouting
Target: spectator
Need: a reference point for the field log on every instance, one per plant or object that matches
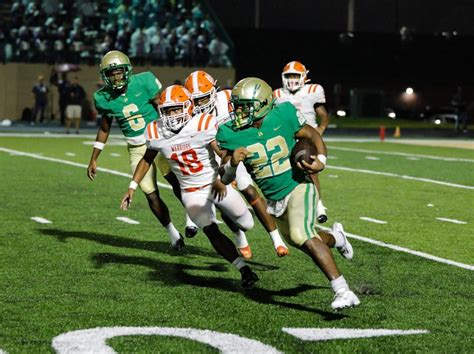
(40, 92)
(75, 98)
(217, 51)
(63, 87)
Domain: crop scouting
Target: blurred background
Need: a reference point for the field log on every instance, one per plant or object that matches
(396, 63)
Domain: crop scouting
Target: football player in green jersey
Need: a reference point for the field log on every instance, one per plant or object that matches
(262, 136)
(131, 100)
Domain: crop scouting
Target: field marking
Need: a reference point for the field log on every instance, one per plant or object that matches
(94, 340)
(114, 154)
(405, 250)
(127, 220)
(430, 205)
(70, 154)
(70, 163)
(373, 158)
(413, 158)
(389, 174)
(361, 238)
(41, 220)
(454, 221)
(322, 334)
(402, 154)
(376, 221)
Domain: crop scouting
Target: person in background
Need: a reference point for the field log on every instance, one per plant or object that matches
(62, 83)
(40, 92)
(75, 97)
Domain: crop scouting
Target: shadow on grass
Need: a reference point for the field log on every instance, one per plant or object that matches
(124, 242)
(173, 274)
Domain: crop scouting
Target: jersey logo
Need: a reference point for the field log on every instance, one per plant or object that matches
(275, 129)
(138, 94)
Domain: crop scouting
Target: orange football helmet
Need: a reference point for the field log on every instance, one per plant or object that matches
(203, 90)
(294, 83)
(176, 107)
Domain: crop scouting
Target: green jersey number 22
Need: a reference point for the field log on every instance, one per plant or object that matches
(136, 121)
(274, 150)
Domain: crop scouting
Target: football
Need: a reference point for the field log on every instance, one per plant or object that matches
(303, 149)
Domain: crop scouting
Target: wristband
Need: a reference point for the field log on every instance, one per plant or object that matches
(99, 145)
(133, 185)
(322, 158)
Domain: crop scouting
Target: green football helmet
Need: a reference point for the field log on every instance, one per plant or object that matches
(115, 60)
(251, 99)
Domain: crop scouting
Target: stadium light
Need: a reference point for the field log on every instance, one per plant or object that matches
(409, 91)
(341, 113)
(392, 115)
(437, 121)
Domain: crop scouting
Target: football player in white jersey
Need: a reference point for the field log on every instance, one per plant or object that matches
(207, 99)
(309, 100)
(188, 143)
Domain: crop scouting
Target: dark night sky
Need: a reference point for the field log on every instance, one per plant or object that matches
(422, 16)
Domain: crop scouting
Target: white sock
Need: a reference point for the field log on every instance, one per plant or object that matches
(189, 222)
(338, 284)
(239, 263)
(240, 239)
(276, 238)
(340, 241)
(172, 233)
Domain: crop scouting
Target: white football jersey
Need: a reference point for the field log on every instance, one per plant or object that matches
(189, 153)
(222, 108)
(304, 100)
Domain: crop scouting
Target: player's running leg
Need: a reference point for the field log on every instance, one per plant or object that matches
(191, 229)
(260, 207)
(199, 207)
(320, 208)
(297, 224)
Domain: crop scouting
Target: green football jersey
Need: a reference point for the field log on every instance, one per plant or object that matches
(269, 158)
(133, 110)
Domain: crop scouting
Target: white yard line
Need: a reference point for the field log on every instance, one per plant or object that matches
(389, 174)
(454, 221)
(361, 238)
(375, 221)
(70, 154)
(405, 250)
(127, 220)
(322, 334)
(41, 220)
(70, 163)
(372, 158)
(401, 154)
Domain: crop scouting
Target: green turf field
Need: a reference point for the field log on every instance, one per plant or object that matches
(88, 270)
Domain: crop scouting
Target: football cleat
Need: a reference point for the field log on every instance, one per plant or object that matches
(282, 251)
(245, 252)
(178, 245)
(344, 298)
(190, 231)
(249, 278)
(346, 251)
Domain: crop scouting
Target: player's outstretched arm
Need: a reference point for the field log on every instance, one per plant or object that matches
(319, 162)
(140, 172)
(323, 115)
(100, 140)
